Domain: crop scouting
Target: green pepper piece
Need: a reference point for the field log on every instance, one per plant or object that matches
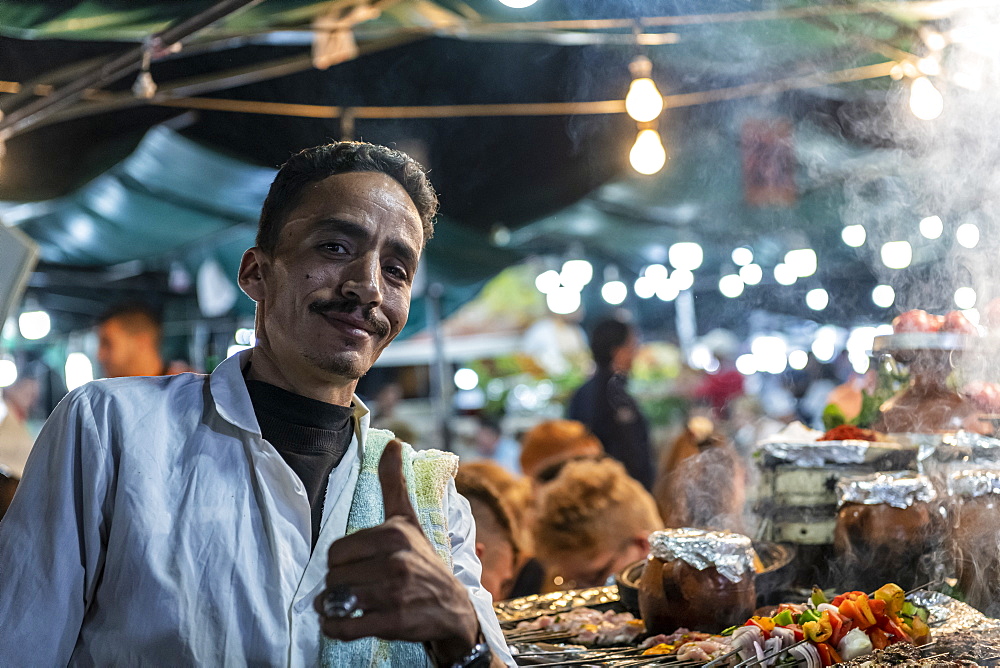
(908, 609)
(809, 615)
(818, 596)
(729, 631)
(783, 618)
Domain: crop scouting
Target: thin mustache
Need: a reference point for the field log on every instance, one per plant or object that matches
(377, 326)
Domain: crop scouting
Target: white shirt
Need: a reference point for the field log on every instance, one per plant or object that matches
(154, 525)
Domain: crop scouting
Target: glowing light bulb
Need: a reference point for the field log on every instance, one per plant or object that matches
(648, 155)
(614, 292)
(683, 279)
(79, 370)
(576, 273)
(656, 272)
(926, 102)
(751, 274)
(746, 364)
(784, 274)
(731, 285)
(965, 298)
(742, 256)
(645, 287)
(466, 379)
(967, 235)
(931, 227)
(897, 254)
(817, 299)
(547, 281)
(802, 261)
(8, 372)
(518, 4)
(643, 102)
(34, 324)
(563, 300)
(883, 296)
(798, 359)
(854, 235)
(667, 290)
(685, 255)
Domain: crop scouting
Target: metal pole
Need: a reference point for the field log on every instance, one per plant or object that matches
(686, 321)
(439, 381)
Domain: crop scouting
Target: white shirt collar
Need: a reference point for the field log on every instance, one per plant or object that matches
(232, 399)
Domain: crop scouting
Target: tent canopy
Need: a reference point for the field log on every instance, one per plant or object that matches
(115, 185)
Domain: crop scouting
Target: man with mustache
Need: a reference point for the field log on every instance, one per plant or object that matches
(205, 520)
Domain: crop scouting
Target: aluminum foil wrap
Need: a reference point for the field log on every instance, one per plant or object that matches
(971, 483)
(732, 554)
(814, 455)
(948, 615)
(959, 446)
(899, 489)
(528, 607)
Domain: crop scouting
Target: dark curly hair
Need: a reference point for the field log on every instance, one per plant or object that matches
(317, 163)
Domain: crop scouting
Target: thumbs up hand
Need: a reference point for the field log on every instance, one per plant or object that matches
(400, 584)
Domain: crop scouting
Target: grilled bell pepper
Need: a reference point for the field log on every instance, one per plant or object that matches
(857, 610)
(818, 631)
(827, 655)
(879, 639)
(766, 624)
(809, 615)
(893, 595)
(818, 596)
(783, 618)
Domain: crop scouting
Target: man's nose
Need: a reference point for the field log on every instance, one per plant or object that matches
(363, 280)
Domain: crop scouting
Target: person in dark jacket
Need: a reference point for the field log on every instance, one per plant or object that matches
(605, 406)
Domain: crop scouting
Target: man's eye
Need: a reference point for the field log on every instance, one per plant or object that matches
(335, 247)
(397, 272)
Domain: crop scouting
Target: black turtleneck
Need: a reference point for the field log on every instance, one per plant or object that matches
(311, 436)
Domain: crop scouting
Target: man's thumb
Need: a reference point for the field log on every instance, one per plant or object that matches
(390, 475)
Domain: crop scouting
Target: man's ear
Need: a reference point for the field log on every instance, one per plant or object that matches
(251, 275)
(480, 550)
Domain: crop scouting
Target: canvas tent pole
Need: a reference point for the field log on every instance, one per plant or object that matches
(26, 117)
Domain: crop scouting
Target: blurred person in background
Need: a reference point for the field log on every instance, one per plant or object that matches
(491, 443)
(702, 480)
(16, 401)
(591, 522)
(719, 388)
(515, 492)
(553, 442)
(16, 439)
(604, 404)
(496, 531)
(128, 342)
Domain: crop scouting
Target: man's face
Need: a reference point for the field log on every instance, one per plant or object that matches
(337, 289)
(115, 349)
(498, 568)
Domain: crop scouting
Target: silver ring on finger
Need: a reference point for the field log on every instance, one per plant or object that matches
(340, 603)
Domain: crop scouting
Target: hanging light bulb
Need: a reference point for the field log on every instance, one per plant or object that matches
(926, 102)
(648, 155)
(643, 102)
